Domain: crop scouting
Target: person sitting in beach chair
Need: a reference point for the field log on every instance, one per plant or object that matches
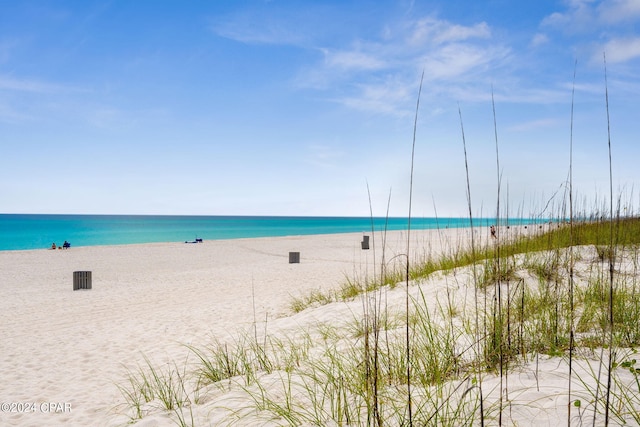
(66, 245)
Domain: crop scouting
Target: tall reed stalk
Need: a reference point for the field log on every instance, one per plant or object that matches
(571, 255)
(611, 248)
(478, 339)
(408, 268)
(372, 315)
(610, 256)
(499, 333)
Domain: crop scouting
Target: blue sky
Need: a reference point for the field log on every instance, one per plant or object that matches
(293, 107)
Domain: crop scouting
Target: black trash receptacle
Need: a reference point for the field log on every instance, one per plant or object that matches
(294, 257)
(365, 242)
(81, 280)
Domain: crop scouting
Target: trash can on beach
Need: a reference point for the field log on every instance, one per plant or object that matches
(294, 257)
(365, 242)
(81, 280)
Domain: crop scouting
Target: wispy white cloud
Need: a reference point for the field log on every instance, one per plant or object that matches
(434, 31)
(620, 50)
(585, 88)
(271, 24)
(384, 71)
(389, 97)
(377, 72)
(18, 94)
(457, 60)
(271, 33)
(352, 60)
(614, 11)
(27, 85)
(589, 15)
(539, 39)
(599, 25)
(579, 16)
(535, 125)
(533, 95)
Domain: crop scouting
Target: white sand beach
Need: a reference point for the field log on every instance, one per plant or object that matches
(71, 347)
(65, 352)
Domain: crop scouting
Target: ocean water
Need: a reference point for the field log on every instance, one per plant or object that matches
(20, 232)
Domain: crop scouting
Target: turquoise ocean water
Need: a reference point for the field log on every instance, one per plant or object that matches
(20, 232)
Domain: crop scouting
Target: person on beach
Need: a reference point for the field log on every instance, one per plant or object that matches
(493, 231)
(53, 245)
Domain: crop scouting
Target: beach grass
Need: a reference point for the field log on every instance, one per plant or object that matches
(585, 232)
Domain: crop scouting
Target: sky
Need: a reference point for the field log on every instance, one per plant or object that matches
(280, 107)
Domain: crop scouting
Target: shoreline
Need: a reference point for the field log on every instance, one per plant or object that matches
(26, 232)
